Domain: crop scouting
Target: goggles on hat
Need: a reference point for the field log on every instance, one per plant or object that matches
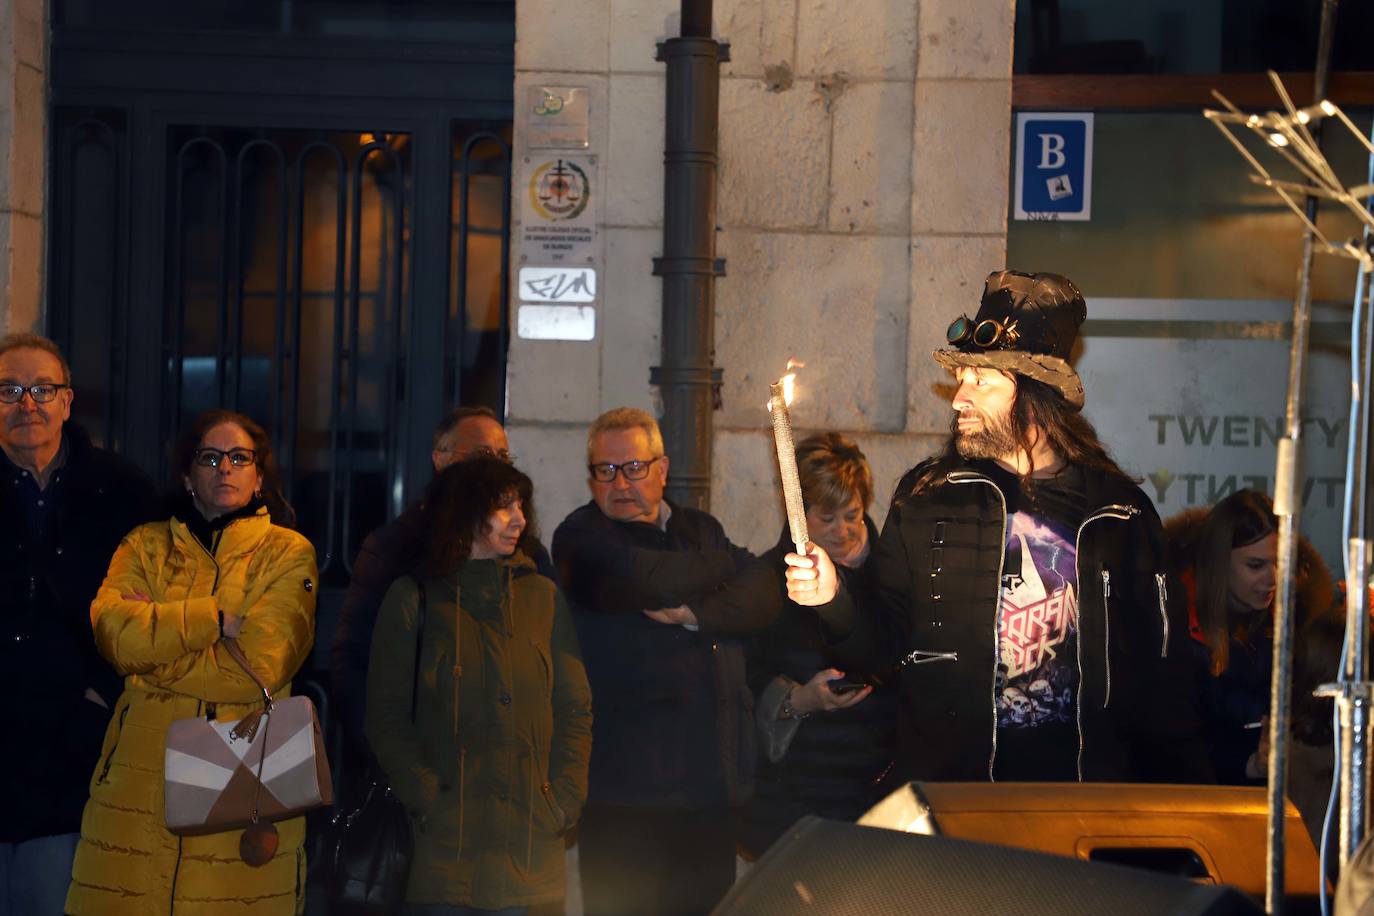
(989, 333)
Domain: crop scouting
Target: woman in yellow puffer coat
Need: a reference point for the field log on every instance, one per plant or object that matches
(217, 568)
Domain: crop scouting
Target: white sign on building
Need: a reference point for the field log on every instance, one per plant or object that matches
(557, 284)
(1190, 395)
(559, 253)
(557, 216)
(555, 322)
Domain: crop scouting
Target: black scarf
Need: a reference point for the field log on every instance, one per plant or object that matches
(184, 508)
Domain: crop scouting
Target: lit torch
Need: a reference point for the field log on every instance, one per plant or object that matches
(781, 398)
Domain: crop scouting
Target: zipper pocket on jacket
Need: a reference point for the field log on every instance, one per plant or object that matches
(545, 654)
(1163, 589)
(922, 656)
(1107, 633)
(957, 477)
(109, 758)
(1121, 513)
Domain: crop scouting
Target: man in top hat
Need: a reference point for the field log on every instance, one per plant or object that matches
(1019, 591)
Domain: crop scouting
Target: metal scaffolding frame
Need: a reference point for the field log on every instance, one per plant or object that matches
(1294, 135)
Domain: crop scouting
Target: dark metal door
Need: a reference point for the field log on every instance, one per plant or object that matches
(288, 291)
(286, 298)
(315, 233)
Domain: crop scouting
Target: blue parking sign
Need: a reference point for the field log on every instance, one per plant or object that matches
(1054, 166)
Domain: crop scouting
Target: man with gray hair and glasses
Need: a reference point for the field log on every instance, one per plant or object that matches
(64, 507)
(657, 593)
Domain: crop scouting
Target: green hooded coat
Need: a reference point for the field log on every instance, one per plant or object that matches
(493, 769)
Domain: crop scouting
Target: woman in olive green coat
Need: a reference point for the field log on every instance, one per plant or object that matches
(490, 757)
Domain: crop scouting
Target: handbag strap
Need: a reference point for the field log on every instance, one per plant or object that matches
(379, 780)
(231, 645)
(419, 644)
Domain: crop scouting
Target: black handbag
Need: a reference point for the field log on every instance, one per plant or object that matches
(373, 847)
(371, 856)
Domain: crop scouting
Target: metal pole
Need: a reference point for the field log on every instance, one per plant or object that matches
(1287, 506)
(1353, 702)
(1353, 691)
(687, 378)
(695, 16)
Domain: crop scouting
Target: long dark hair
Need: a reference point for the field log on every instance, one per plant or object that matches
(1241, 519)
(1036, 407)
(458, 502)
(184, 458)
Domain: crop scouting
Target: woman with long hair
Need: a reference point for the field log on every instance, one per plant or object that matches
(827, 739)
(487, 743)
(222, 568)
(1227, 560)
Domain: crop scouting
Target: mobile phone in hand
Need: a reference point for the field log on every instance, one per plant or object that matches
(844, 685)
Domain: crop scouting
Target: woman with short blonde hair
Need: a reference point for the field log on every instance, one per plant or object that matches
(827, 737)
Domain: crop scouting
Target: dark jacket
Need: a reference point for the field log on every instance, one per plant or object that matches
(932, 583)
(494, 766)
(1233, 701)
(386, 554)
(674, 715)
(47, 650)
(833, 763)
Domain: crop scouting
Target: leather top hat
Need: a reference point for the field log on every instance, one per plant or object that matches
(1027, 323)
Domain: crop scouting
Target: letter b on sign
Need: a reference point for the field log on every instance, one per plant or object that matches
(1053, 166)
(1052, 151)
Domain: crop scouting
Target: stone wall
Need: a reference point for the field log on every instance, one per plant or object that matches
(23, 138)
(865, 147)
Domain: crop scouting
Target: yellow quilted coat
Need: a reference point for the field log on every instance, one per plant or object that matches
(127, 863)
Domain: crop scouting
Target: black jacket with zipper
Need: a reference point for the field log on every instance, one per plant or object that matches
(933, 584)
(674, 717)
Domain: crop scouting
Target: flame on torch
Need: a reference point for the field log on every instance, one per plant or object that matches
(788, 383)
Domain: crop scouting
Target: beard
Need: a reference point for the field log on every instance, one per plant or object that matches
(996, 438)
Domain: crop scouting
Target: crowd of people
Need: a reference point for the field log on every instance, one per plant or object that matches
(651, 688)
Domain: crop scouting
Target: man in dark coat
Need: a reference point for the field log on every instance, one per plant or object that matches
(386, 553)
(657, 590)
(64, 507)
(1020, 582)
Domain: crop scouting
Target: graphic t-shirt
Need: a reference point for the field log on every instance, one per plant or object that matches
(1037, 672)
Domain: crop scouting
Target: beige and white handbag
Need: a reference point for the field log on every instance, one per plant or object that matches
(267, 766)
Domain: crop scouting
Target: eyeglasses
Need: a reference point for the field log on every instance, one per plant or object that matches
(41, 394)
(482, 451)
(988, 333)
(238, 457)
(633, 470)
